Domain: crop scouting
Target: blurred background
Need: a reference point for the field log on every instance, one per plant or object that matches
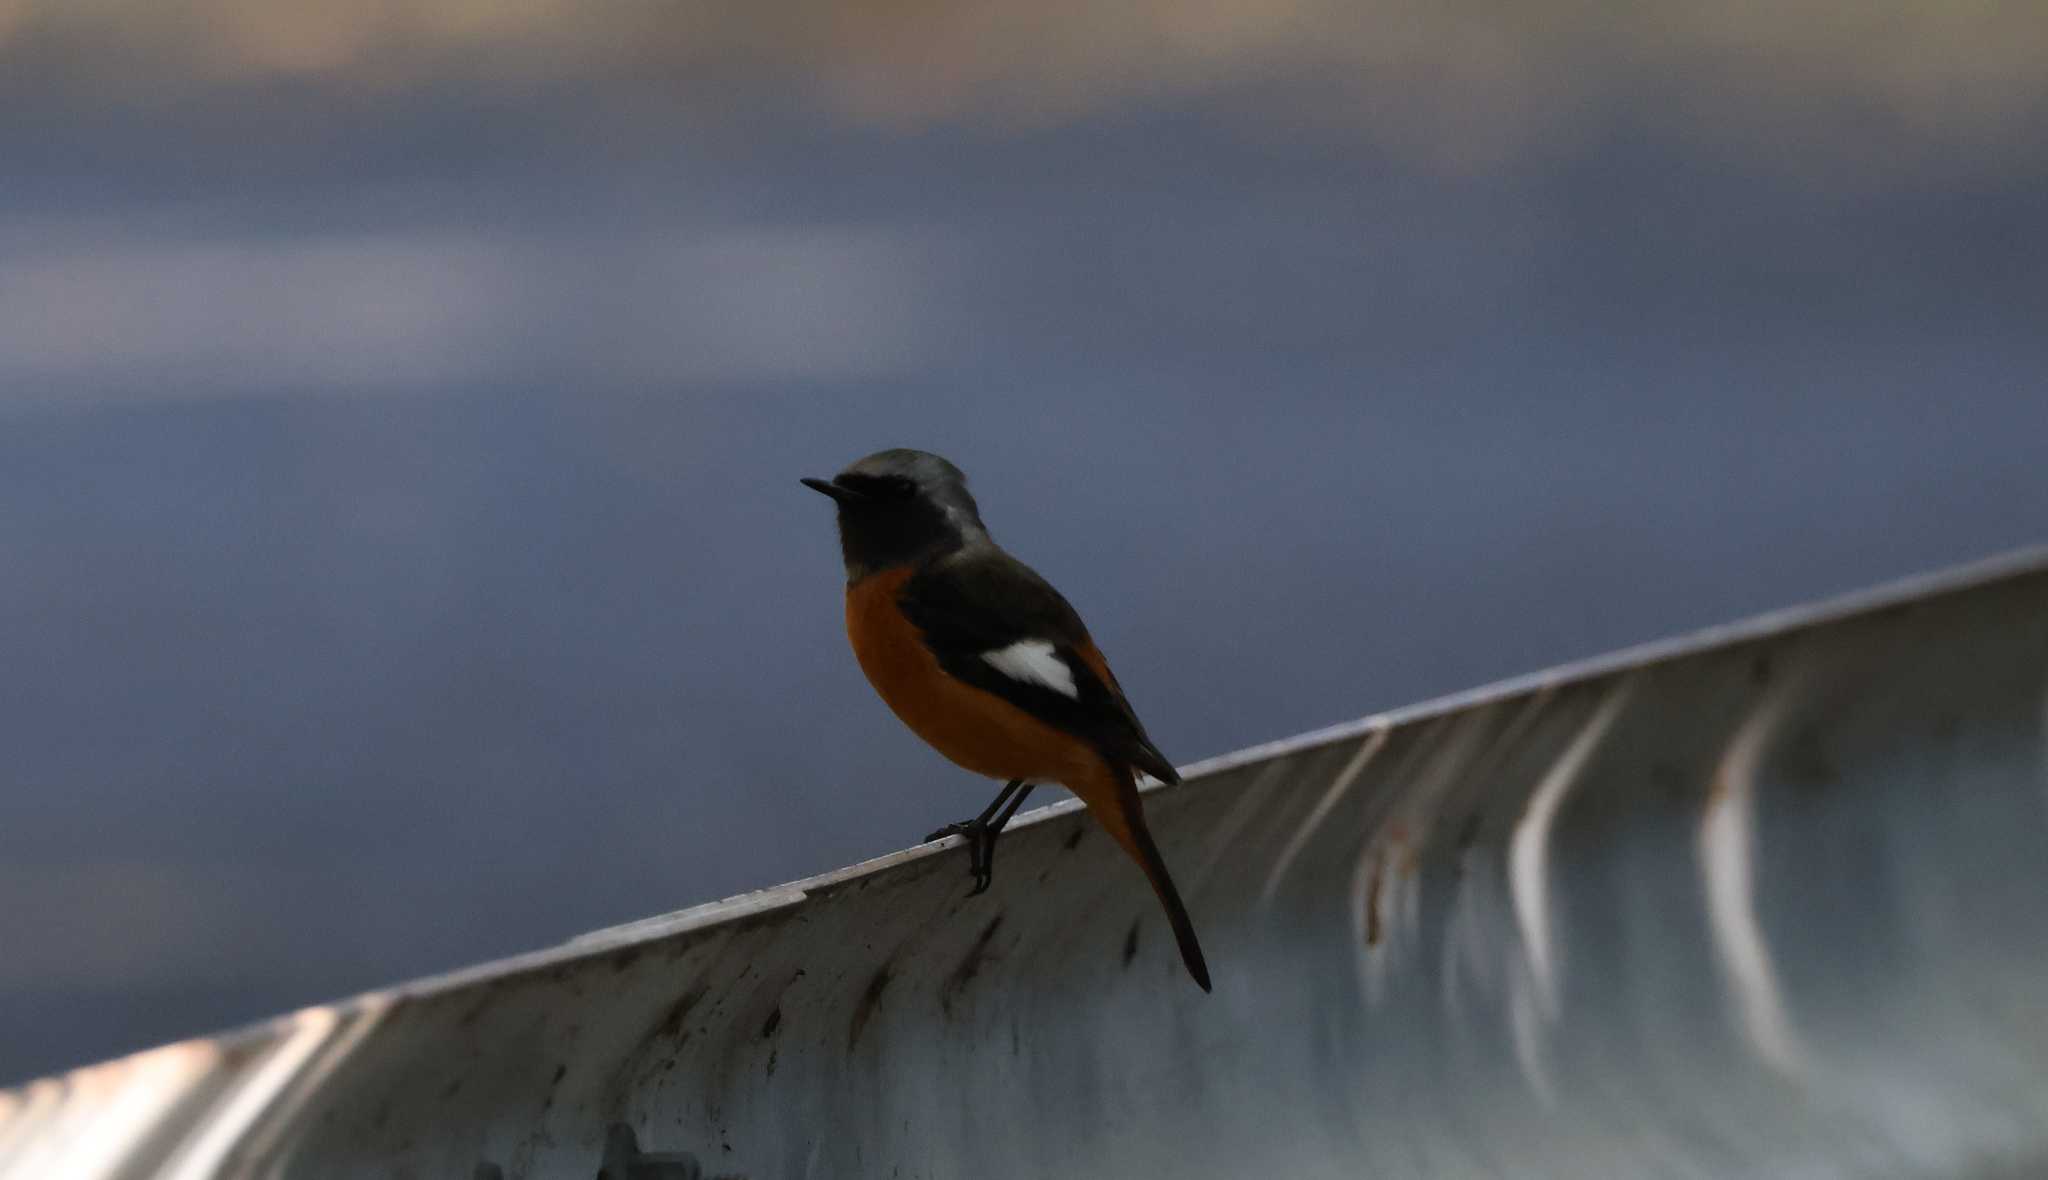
(401, 406)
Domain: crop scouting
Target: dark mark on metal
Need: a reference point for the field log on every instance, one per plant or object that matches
(1131, 946)
(1372, 900)
(1468, 834)
(869, 999)
(623, 1160)
(774, 1022)
(671, 1024)
(475, 1010)
(1074, 841)
(970, 965)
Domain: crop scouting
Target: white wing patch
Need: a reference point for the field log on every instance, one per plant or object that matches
(1033, 662)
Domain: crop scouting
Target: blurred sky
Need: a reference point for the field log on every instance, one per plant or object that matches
(401, 556)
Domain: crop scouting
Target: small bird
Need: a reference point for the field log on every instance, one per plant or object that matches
(989, 664)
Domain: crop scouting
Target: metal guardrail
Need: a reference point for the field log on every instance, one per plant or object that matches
(1771, 901)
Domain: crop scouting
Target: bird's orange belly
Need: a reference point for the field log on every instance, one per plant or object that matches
(973, 728)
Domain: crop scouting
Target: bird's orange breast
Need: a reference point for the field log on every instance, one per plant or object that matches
(974, 728)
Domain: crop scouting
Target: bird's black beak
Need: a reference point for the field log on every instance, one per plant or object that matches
(827, 487)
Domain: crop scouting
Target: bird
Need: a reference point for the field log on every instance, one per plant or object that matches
(981, 658)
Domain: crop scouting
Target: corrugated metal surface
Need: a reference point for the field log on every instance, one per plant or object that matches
(1769, 902)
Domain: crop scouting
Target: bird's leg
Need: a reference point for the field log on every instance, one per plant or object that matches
(986, 833)
(988, 814)
(982, 830)
(1016, 801)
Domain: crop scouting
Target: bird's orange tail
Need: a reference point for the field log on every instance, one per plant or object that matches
(1113, 798)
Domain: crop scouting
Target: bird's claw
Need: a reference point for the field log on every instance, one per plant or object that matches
(981, 847)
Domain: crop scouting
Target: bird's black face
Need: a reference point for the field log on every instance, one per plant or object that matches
(899, 507)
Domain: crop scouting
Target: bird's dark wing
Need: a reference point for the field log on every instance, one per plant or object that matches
(994, 623)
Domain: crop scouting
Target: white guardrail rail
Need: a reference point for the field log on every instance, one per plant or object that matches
(1770, 901)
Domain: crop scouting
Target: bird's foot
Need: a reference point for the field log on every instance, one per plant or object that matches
(981, 849)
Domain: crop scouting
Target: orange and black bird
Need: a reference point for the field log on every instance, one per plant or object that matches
(989, 664)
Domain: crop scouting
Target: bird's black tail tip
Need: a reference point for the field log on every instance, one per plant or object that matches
(1191, 953)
